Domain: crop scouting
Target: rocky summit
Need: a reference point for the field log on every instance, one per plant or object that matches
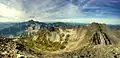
(88, 41)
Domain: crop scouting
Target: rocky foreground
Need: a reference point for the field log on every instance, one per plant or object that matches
(91, 41)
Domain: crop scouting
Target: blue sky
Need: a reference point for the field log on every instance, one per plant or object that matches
(83, 11)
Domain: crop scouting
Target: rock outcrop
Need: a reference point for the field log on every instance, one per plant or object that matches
(7, 48)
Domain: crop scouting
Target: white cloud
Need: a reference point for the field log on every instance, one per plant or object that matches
(10, 12)
(48, 11)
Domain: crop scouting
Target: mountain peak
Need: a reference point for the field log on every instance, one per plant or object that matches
(31, 21)
(97, 26)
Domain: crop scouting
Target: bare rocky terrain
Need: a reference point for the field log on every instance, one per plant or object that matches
(90, 41)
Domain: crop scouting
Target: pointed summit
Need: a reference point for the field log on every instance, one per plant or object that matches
(31, 21)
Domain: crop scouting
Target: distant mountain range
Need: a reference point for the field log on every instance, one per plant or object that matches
(15, 28)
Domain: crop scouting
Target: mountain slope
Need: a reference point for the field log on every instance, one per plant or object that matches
(5, 25)
(91, 41)
(85, 38)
